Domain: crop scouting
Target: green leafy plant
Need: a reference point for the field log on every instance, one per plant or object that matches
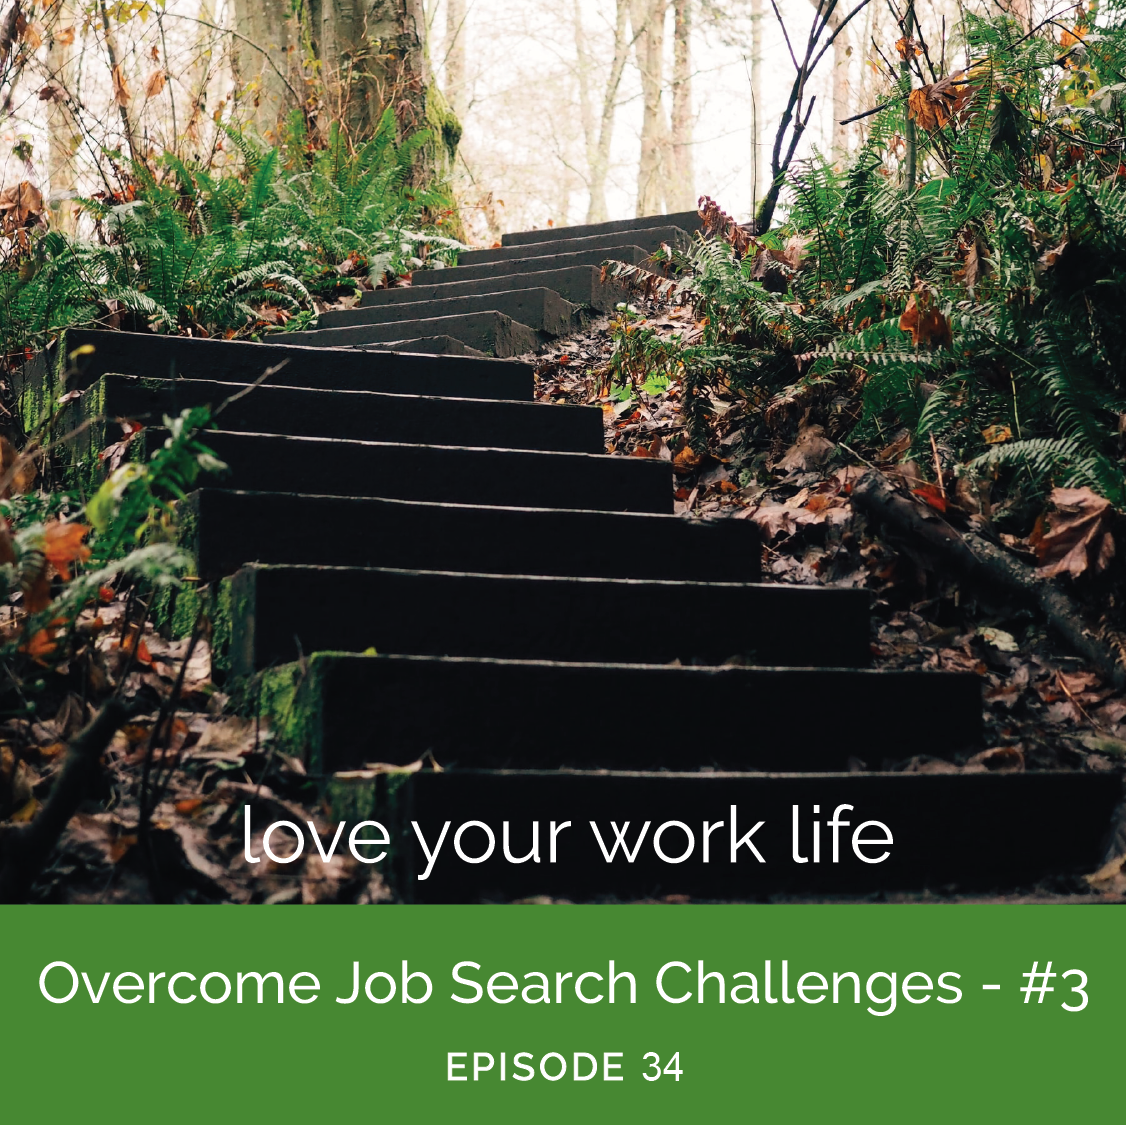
(236, 252)
(984, 309)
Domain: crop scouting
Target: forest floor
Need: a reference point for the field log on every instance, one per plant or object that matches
(1044, 709)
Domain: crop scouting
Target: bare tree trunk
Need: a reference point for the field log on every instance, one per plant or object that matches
(647, 18)
(267, 33)
(456, 91)
(842, 108)
(682, 191)
(62, 139)
(908, 29)
(758, 109)
(598, 134)
(583, 67)
(373, 54)
(838, 133)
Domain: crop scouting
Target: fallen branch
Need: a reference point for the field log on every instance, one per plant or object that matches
(26, 850)
(977, 558)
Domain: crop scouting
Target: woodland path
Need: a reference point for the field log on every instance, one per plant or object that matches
(415, 560)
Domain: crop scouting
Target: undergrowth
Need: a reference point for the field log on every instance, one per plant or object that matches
(983, 309)
(237, 252)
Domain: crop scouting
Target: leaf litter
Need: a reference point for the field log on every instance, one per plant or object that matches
(1043, 708)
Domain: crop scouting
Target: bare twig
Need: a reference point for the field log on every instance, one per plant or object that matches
(26, 850)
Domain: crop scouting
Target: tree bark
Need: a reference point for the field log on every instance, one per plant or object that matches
(455, 70)
(978, 559)
(838, 133)
(27, 849)
(373, 54)
(647, 18)
(599, 134)
(908, 28)
(61, 130)
(266, 24)
(758, 109)
(682, 189)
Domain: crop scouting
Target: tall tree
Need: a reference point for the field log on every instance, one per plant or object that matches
(264, 58)
(647, 19)
(373, 54)
(598, 132)
(61, 128)
(455, 70)
(367, 55)
(682, 174)
(758, 108)
(841, 89)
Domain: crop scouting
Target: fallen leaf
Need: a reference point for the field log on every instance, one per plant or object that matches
(1079, 536)
(1000, 758)
(186, 808)
(41, 644)
(1104, 744)
(62, 545)
(931, 495)
(810, 450)
(928, 327)
(995, 435)
(25, 812)
(999, 639)
(687, 460)
(907, 48)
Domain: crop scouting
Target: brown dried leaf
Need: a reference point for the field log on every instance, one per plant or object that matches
(121, 92)
(20, 206)
(64, 36)
(1000, 758)
(718, 223)
(1079, 536)
(808, 452)
(974, 266)
(62, 545)
(928, 327)
(155, 83)
(932, 106)
(686, 460)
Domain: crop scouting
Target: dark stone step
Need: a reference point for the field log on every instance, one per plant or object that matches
(493, 333)
(951, 832)
(141, 354)
(278, 612)
(471, 713)
(451, 474)
(536, 306)
(649, 239)
(582, 286)
(685, 220)
(360, 415)
(431, 345)
(540, 263)
(226, 530)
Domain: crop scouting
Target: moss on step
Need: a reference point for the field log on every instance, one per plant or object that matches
(289, 698)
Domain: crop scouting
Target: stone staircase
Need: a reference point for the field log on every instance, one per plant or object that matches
(547, 630)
